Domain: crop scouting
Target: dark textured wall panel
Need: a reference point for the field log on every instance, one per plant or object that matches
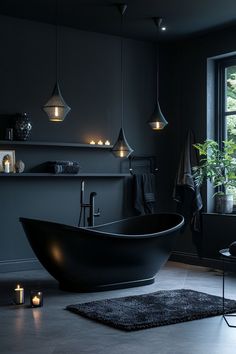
(90, 77)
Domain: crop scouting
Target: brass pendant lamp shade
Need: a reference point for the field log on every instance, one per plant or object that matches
(121, 148)
(157, 120)
(56, 107)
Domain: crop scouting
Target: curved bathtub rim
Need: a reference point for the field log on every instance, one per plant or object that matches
(93, 231)
(154, 234)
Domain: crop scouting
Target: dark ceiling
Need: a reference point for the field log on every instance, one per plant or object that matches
(183, 18)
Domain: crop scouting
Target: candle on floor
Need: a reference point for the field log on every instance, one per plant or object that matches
(19, 297)
(36, 298)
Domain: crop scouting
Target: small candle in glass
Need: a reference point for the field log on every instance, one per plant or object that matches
(100, 142)
(107, 142)
(36, 298)
(19, 297)
(92, 142)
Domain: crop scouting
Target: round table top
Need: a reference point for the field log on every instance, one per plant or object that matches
(225, 253)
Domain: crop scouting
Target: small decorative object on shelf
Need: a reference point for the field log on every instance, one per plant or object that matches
(7, 161)
(23, 127)
(107, 142)
(100, 142)
(19, 166)
(19, 297)
(62, 167)
(9, 134)
(92, 142)
(36, 298)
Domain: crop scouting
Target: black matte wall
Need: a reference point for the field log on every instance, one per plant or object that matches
(90, 79)
(187, 92)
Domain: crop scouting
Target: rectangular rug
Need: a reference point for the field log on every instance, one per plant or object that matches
(153, 310)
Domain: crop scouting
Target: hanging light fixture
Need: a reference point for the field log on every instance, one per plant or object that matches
(157, 120)
(121, 148)
(56, 108)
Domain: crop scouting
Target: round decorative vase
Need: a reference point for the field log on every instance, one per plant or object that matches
(224, 204)
(23, 127)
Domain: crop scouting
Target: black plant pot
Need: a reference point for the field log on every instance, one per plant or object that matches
(22, 127)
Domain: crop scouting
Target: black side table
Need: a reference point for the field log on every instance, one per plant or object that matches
(226, 255)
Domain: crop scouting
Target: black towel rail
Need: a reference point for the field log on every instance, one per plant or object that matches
(151, 163)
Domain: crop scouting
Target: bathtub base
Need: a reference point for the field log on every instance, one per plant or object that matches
(105, 287)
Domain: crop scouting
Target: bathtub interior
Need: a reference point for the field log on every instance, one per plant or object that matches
(142, 225)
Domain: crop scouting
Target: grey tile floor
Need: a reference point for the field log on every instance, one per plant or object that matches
(52, 330)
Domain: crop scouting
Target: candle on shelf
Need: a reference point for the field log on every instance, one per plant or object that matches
(36, 298)
(19, 297)
(92, 142)
(100, 142)
(7, 166)
(107, 142)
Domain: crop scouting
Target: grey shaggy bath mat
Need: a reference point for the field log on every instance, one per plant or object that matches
(153, 310)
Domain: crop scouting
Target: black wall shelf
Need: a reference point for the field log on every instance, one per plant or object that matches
(53, 144)
(65, 175)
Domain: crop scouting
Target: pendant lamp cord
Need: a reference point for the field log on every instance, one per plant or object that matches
(57, 41)
(157, 68)
(122, 69)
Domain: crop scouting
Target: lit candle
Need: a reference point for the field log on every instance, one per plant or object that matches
(36, 298)
(107, 142)
(35, 301)
(92, 142)
(19, 298)
(7, 166)
(100, 142)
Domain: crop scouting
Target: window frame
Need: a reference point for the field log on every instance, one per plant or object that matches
(220, 99)
(221, 113)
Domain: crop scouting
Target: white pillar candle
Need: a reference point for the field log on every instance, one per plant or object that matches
(7, 166)
(19, 297)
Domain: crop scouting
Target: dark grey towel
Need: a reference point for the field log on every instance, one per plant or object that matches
(144, 193)
(186, 193)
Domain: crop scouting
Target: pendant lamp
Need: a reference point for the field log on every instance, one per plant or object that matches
(56, 107)
(121, 148)
(157, 120)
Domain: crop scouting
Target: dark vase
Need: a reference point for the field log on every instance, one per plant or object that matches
(23, 127)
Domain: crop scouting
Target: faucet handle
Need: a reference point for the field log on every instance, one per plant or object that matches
(97, 213)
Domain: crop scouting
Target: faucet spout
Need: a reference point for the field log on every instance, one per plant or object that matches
(90, 205)
(92, 213)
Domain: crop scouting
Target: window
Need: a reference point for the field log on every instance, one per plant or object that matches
(226, 103)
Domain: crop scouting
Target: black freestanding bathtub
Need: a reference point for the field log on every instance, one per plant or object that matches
(119, 254)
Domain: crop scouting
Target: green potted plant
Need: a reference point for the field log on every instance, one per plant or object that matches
(219, 167)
